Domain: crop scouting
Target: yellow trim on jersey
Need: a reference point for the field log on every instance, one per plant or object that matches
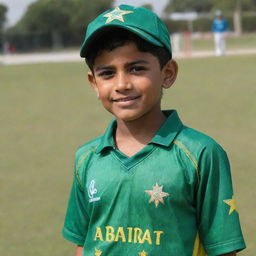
(189, 155)
(79, 163)
(198, 247)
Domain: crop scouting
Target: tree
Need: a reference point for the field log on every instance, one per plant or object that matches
(46, 16)
(231, 5)
(3, 12)
(62, 22)
(148, 6)
(84, 11)
(189, 6)
(234, 7)
(64, 15)
(209, 5)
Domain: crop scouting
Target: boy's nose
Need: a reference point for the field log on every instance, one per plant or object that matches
(122, 83)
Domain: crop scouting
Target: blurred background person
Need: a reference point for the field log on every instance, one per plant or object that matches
(219, 28)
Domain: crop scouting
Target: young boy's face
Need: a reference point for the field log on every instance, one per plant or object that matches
(129, 82)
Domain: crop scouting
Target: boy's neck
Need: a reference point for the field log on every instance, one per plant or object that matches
(132, 136)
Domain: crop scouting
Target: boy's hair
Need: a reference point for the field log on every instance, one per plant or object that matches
(114, 37)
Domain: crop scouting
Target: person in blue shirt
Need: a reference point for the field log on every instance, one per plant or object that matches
(219, 28)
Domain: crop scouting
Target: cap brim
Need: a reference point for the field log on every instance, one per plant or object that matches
(87, 42)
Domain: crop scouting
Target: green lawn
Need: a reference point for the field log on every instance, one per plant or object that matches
(48, 110)
(247, 41)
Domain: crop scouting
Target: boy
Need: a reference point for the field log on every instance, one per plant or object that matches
(149, 186)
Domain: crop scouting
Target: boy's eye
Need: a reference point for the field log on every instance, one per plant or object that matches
(137, 69)
(106, 73)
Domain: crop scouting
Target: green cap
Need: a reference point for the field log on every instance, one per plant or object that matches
(139, 20)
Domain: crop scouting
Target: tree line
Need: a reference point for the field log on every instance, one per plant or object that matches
(63, 22)
(74, 15)
(207, 6)
(3, 12)
(50, 23)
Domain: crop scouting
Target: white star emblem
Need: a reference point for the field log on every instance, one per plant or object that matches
(116, 14)
(157, 195)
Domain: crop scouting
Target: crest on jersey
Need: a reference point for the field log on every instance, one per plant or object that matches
(157, 195)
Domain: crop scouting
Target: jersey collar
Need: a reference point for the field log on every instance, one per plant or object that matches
(164, 136)
(168, 131)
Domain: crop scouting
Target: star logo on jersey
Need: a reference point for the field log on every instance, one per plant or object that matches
(116, 14)
(157, 195)
(97, 252)
(232, 204)
(143, 253)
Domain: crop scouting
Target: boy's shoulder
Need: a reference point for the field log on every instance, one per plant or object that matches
(189, 134)
(196, 142)
(88, 147)
(83, 153)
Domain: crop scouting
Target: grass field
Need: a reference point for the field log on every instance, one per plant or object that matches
(247, 41)
(48, 110)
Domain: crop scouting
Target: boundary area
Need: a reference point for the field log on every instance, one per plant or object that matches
(73, 56)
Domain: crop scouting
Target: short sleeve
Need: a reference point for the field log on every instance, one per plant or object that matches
(217, 213)
(76, 220)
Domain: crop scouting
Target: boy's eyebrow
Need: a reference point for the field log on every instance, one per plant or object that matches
(136, 62)
(99, 68)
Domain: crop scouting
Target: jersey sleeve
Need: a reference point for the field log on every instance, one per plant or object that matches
(76, 220)
(217, 213)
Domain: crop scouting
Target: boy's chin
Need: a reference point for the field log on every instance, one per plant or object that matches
(128, 116)
(135, 114)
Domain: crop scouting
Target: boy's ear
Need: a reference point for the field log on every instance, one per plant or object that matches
(93, 83)
(170, 71)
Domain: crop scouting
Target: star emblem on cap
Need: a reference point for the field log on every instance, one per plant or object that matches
(143, 253)
(157, 195)
(116, 14)
(232, 204)
(97, 252)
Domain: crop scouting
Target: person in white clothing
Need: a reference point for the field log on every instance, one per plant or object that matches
(219, 28)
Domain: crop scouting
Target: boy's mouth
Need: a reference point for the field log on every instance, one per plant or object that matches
(124, 99)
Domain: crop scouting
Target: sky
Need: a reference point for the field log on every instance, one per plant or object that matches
(16, 8)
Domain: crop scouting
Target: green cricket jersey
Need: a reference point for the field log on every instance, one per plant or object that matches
(173, 198)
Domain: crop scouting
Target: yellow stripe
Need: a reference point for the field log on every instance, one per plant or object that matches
(79, 163)
(198, 248)
(189, 155)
